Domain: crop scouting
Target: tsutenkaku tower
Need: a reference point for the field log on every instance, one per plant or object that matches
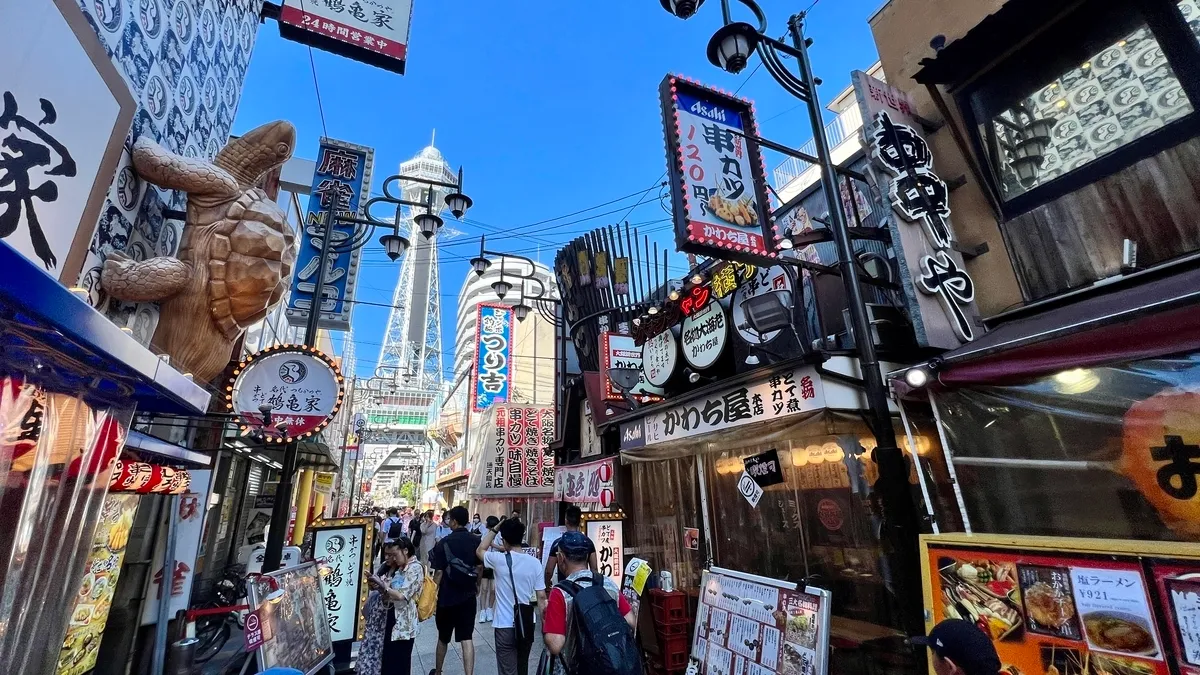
(412, 348)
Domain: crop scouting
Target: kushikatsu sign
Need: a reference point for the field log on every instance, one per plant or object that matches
(718, 179)
(371, 31)
(301, 386)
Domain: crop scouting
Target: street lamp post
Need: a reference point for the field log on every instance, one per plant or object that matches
(394, 244)
(730, 49)
(502, 286)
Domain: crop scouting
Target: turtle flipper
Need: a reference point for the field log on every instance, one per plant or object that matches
(169, 170)
(149, 280)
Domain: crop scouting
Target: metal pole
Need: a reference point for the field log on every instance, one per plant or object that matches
(165, 587)
(314, 313)
(900, 535)
(281, 510)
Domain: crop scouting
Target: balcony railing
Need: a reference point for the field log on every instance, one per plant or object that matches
(841, 128)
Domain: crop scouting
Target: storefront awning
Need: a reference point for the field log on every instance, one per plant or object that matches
(1148, 314)
(60, 342)
(145, 444)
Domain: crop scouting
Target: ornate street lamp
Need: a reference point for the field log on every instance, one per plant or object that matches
(682, 8)
(732, 46)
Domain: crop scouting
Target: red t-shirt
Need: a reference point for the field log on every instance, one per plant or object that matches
(556, 611)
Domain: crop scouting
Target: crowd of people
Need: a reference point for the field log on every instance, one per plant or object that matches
(483, 574)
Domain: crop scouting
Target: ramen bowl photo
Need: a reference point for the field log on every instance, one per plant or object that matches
(1119, 632)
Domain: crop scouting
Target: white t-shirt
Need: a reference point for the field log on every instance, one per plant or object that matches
(526, 571)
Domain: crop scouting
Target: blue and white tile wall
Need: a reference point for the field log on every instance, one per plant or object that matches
(185, 62)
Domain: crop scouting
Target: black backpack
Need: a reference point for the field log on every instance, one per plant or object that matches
(458, 572)
(605, 644)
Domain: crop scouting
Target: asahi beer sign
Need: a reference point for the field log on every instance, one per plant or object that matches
(64, 115)
(301, 386)
(718, 184)
(493, 353)
(340, 186)
(620, 352)
(371, 31)
(787, 393)
(939, 292)
(704, 336)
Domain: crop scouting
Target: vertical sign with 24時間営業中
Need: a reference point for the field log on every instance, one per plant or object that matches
(370, 31)
(718, 182)
(493, 355)
(340, 186)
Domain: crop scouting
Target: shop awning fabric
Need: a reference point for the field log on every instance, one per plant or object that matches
(1146, 315)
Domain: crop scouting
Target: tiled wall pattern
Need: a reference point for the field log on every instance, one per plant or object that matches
(1122, 93)
(185, 62)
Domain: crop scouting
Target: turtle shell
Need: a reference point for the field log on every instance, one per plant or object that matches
(250, 265)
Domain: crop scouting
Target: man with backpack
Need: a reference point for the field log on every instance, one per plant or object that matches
(588, 623)
(457, 574)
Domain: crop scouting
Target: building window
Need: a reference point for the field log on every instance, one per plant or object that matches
(1095, 91)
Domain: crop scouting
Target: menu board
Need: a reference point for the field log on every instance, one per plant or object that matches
(345, 545)
(751, 625)
(94, 598)
(1072, 611)
(296, 622)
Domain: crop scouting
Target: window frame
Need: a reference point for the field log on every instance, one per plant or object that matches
(1182, 51)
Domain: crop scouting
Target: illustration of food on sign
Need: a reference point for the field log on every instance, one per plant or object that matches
(118, 536)
(736, 211)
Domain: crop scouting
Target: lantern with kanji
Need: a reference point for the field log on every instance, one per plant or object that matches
(1161, 455)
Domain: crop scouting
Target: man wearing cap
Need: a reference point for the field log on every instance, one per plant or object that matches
(573, 551)
(960, 648)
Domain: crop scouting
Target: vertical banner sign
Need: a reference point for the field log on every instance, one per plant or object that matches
(607, 535)
(340, 186)
(718, 179)
(601, 269)
(621, 276)
(371, 31)
(585, 268)
(189, 525)
(345, 547)
(517, 459)
(493, 355)
(939, 292)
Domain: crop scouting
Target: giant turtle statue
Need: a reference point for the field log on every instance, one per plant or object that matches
(235, 255)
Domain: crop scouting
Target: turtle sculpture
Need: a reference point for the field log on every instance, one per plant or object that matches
(235, 255)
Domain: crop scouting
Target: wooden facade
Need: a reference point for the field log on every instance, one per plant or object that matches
(1078, 238)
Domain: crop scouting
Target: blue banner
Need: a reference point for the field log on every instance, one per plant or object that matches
(493, 355)
(341, 184)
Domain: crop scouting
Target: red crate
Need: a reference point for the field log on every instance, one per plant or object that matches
(671, 629)
(674, 651)
(669, 607)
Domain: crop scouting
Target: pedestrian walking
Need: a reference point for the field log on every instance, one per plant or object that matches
(487, 586)
(456, 570)
(960, 648)
(518, 581)
(393, 586)
(428, 536)
(573, 522)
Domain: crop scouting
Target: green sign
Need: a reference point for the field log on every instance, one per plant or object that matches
(403, 418)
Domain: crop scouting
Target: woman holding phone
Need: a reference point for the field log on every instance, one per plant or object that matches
(392, 612)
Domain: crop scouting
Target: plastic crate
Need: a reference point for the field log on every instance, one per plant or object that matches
(668, 629)
(674, 652)
(669, 607)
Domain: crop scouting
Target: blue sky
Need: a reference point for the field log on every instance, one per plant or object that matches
(551, 106)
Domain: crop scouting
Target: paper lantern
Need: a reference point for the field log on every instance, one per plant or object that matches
(1161, 455)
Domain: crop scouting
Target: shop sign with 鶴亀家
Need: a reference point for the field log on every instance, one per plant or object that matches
(717, 176)
(342, 547)
(493, 355)
(370, 31)
(791, 392)
(516, 458)
(590, 483)
(939, 293)
(301, 386)
(340, 186)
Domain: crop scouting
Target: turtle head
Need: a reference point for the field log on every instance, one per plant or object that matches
(249, 156)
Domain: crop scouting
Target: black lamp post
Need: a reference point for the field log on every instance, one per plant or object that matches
(480, 264)
(730, 49)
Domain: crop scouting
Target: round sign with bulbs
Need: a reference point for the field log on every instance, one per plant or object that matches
(660, 356)
(285, 393)
(704, 335)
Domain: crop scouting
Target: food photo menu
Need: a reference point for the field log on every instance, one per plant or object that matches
(746, 627)
(1071, 613)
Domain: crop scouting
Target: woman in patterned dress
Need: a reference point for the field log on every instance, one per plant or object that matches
(400, 593)
(376, 613)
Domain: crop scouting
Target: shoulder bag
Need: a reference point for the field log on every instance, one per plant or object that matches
(522, 611)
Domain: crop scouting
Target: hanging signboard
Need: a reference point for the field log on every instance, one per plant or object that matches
(765, 468)
(64, 120)
(621, 352)
(939, 293)
(621, 276)
(589, 441)
(302, 386)
(189, 526)
(451, 468)
(340, 187)
(345, 546)
(145, 478)
(517, 459)
(493, 355)
(704, 336)
(717, 176)
(299, 629)
(660, 356)
(371, 31)
(94, 599)
(590, 483)
(788, 393)
(607, 535)
(759, 626)
(1055, 603)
